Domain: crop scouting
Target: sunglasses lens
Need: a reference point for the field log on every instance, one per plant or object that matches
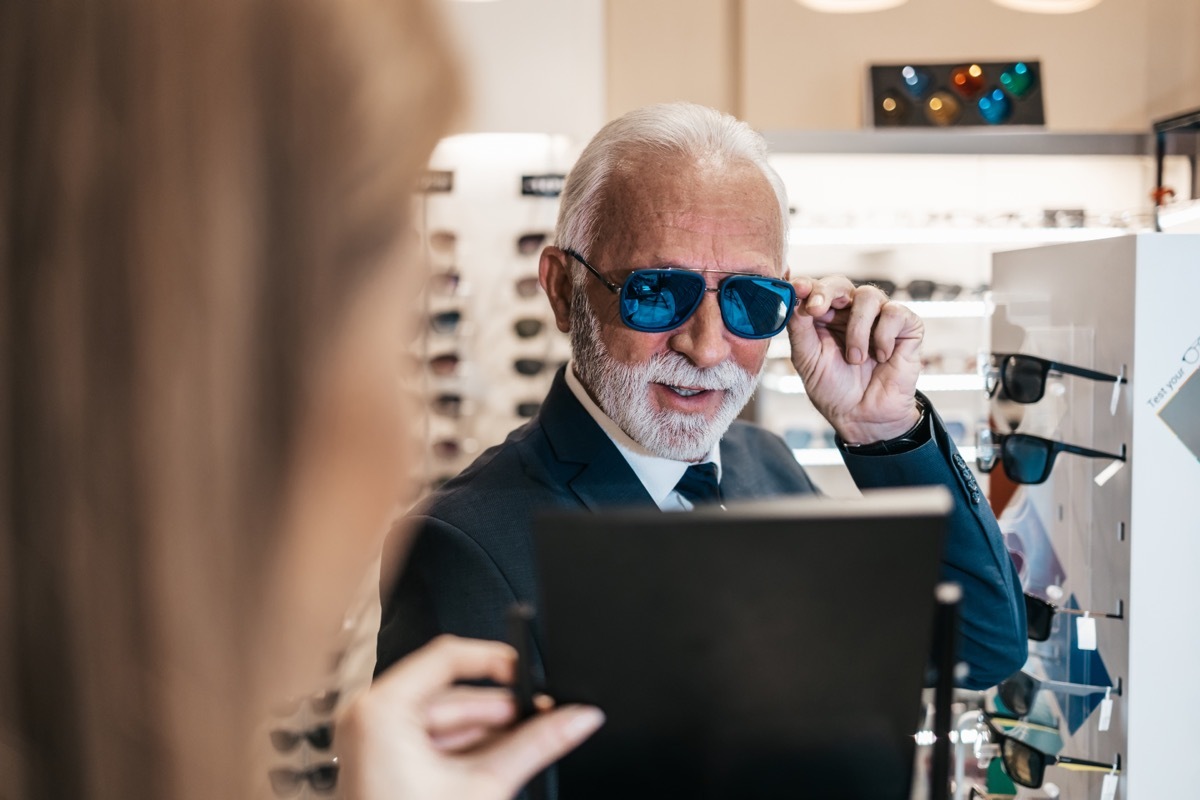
(1023, 764)
(286, 782)
(446, 448)
(448, 405)
(527, 409)
(527, 287)
(323, 778)
(655, 300)
(529, 366)
(921, 290)
(1039, 616)
(445, 283)
(1016, 692)
(325, 702)
(443, 241)
(530, 243)
(445, 364)
(321, 737)
(445, 321)
(284, 741)
(756, 308)
(1025, 379)
(1026, 459)
(527, 328)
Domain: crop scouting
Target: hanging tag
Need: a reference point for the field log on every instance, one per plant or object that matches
(1108, 472)
(1085, 632)
(1116, 395)
(1106, 706)
(1108, 789)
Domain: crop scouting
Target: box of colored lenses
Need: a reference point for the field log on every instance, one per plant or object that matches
(971, 93)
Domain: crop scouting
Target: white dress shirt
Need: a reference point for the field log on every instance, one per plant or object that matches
(659, 475)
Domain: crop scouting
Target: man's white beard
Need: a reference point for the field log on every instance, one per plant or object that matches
(623, 391)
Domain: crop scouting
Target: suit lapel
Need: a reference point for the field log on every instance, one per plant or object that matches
(591, 464)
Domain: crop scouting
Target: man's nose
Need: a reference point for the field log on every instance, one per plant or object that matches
(703, 339)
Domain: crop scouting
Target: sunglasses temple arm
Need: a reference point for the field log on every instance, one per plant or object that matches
(1079, 612)
(1079, 689)
(1085, 451)
(1083, 765)
(612, 287)
(1071, 369)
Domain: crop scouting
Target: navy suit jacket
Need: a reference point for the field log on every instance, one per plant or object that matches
(473, 555)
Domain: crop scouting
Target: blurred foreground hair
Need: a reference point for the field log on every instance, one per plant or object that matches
(190, 193)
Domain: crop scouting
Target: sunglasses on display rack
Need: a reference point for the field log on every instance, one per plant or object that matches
(1023, 377)
(321, 703)
(1039, 616)
(530, 243)
(1027, 458)
(443, 242)
(1019, 690)
(447, 405)
(1026, 765)
(659, 300)
(288, 782)
(528, 408)
(527, 286)
(444, 364)
(918, 289)
(528, 328)
(445, 321)
(320, 738)
(445, 283)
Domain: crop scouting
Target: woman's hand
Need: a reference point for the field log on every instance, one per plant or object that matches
(415, 734)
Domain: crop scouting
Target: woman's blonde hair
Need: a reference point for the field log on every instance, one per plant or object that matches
(190, 193)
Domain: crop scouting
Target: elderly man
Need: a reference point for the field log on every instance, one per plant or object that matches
(669, 276)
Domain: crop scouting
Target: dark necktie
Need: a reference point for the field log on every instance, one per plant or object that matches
(699, 484)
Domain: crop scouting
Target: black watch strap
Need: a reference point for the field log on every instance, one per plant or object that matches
(914, 437)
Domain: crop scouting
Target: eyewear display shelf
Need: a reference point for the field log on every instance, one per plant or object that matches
(1112, 537)
(921, 213)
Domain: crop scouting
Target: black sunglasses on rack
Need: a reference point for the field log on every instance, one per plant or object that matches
(658, 300)
(445, 321)
(1027, 458)
(1026, 765)
(530, 243)
(1023, 377)
(527, 286)
(1039, 616)
(1019, 690)
(917, 289)
(320, 738)
(528, 328)
(288, 782)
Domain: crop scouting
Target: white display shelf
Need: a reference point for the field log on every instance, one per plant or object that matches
(966, 382)
(995, 237)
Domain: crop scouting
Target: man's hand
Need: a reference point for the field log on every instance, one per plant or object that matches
(859, 357)
(415, 734)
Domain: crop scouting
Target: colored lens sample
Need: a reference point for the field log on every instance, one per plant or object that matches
(943, 109)
(916, 81)
(893, 109)
(995, 107)
(1018, 80)
(967, 81)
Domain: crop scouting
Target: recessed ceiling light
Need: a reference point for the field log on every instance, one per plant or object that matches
(1048, 6)
(850, 6)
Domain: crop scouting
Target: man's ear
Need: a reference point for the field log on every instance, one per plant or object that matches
(555, 277)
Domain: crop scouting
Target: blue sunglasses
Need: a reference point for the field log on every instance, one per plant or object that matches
(658, 300)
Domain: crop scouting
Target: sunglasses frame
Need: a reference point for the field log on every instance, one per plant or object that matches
(321, 778)
(1012, 749)
(319, 737)
(1019, 690)
(1052, 447)
(996, 374)
(619, 289)
(1037, 608)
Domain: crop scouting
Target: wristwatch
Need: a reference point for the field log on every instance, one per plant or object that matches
(911, 439)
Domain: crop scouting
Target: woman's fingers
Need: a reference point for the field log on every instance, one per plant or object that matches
(539, 742)
(468, 707)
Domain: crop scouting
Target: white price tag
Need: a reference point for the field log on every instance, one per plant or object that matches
(1108, 789)
(1085, 632)
(1116, 395)
(1105, 712)
(1106, 474)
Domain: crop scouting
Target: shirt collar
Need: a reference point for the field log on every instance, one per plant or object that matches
(659, 475)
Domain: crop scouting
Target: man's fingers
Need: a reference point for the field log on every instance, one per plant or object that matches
(863, 314)
(442, 662)
(539, 742)
(896, 323)
(827, 293)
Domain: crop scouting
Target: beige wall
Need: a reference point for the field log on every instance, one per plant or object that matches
(672, 50)
(1112, 68)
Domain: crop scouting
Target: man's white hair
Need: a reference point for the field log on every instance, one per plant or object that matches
(684, 130)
